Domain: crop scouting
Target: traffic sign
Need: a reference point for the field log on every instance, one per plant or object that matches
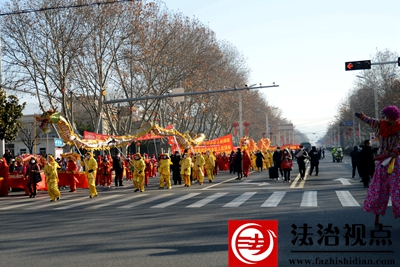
(358, 65)
(58, 142)
(348, 123)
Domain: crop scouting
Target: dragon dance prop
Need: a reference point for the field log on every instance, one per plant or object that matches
(186, 140)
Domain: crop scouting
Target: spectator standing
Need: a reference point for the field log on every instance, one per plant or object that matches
(314, 160)
(301, 157)
(355, 161)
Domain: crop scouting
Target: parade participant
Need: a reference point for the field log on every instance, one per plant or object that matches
(216, 163)
(259, 160)
(164, 169)
(127, 167)
(90, 172)
(176, 168)
(118, 169)
(138, 173)
(253, 161)
(50, 171)
(301, 157)
(286, 164)
(148, 169)
(200, 162)
(71, 172)
(314, 160)
(154, 163)
(105, 172)
(31, 170)
(386, 179)
(186, 169)
(209, 165)
(277, 158)
(232, 162)
(238, 164)
(246, 163)
(99, 161)
(4, 174)
(194, 176)
(8, 157)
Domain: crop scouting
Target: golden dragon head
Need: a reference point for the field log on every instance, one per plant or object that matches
(48, 117)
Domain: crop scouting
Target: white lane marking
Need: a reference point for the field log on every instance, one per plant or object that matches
(88, 202)
(206, 200)
(122, 199)
(175, 200)
(309, 199)
(239, 200)
(274, 199)
(347, 199)
(147, 200)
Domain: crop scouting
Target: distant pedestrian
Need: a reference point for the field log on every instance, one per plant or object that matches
(238, 165)
(277, 160)
(355, 161)
(232, 162)
(367, 163)
(32, 169)
(176, 168)
(314, 160)
(118, 169)
(286, 164)
(301, 157)
(259, 160)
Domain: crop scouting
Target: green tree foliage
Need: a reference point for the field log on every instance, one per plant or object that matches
(10, 113)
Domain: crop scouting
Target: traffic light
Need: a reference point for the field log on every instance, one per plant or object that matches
(358, 65)
(398, 61)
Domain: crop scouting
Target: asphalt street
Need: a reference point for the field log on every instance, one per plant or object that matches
(320, 220)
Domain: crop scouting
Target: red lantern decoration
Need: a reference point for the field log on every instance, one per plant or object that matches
(246, 124)
(235, 125)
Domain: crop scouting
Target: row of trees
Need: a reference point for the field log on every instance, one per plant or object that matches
(127, 50)
(383, 79)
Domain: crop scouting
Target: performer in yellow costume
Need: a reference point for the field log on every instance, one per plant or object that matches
(200, 162)
(138, 173)
(253, 161)
(50, 171)
(90, 172)
(164, 168)
(186, 163)
(210, 163)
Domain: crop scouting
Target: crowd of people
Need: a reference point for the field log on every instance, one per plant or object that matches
(379, 172)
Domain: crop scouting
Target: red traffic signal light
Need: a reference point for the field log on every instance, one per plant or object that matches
(359, 65)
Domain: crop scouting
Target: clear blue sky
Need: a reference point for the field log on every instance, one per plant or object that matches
(301, 46)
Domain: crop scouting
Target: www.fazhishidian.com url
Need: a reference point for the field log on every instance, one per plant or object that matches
(343, 261)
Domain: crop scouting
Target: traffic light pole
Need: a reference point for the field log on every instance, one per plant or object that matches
(384, 63)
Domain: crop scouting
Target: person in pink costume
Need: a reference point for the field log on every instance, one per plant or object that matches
(386, 178)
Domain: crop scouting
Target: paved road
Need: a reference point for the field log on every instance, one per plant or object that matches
(188, 226)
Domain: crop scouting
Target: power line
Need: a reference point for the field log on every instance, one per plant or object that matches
(60, 7)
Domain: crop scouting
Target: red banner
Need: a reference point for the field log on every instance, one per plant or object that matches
(94, 136)
(221, 144)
